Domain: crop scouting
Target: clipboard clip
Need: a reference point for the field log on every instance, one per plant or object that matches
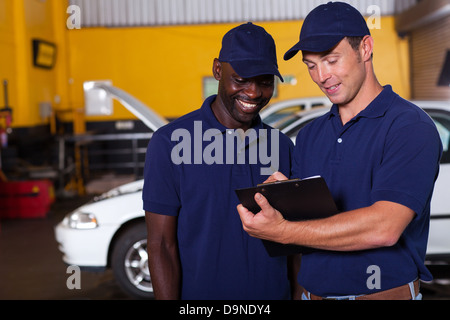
(277, 182)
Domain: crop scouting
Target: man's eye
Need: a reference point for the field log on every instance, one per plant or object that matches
(267, 83)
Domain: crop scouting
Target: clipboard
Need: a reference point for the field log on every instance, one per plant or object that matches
(297, 200)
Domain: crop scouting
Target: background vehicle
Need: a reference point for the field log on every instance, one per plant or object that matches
(283, 113)
(110, 231)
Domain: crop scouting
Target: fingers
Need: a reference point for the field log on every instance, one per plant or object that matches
(279, 176)
(245, 215)
(262, 202)
(266, 224)
(276, 176)
(270, 179)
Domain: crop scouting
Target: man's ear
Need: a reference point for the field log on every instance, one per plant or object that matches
(217, 69)
(367, 48)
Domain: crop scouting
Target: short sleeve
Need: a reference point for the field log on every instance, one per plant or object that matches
(409, 166)
(160, 193)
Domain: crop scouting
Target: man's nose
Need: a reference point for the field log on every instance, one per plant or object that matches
(323, 74)
(253, 91)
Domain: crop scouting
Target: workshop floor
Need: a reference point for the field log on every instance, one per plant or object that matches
(31, 265)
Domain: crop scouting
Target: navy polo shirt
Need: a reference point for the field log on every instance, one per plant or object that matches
(388, 152)
(191, 173)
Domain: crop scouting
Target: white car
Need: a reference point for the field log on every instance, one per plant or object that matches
(110, 231)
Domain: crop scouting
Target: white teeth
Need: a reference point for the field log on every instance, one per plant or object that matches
(248, 105)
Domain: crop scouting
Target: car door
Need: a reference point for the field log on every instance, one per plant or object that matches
(439, 238)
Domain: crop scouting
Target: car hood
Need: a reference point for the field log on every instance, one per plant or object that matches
(132, 187)
(150, 118)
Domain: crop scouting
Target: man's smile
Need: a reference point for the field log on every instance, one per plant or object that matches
(247, 107)
(332, 89)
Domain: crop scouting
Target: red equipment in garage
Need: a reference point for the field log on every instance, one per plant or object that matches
(21, 199)
(26, 199)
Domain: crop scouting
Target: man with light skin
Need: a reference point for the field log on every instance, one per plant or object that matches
(379, 155)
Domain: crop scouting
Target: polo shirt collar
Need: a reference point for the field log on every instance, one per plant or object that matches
(377, 108)
(210, 121)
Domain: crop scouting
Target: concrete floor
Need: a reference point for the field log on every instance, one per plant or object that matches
(31, 266)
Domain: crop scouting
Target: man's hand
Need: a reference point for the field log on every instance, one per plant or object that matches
(276, 176)
(268, 224)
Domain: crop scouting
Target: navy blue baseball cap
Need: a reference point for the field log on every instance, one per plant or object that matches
(326, 25)
(250, 50)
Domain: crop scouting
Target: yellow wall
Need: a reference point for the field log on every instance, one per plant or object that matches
(8, 51)
(20, 22)
(162, 66)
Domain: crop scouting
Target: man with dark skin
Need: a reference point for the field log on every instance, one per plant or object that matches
(196, 246)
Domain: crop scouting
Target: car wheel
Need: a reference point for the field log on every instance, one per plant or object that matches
(130, 262)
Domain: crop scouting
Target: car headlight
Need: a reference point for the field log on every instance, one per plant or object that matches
(81, 220)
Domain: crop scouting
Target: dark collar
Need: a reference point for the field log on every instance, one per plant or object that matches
(377, 108)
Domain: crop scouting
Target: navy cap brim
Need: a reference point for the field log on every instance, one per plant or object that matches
(320, 43)
(252, 68)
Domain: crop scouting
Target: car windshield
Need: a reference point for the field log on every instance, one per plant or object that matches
(277, 118)
(281, 120)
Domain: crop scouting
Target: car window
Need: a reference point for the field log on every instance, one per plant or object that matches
(442, 121)
(282, 123)
(281, 114)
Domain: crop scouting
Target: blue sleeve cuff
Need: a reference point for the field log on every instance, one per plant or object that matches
(400, 198)
(160, 208)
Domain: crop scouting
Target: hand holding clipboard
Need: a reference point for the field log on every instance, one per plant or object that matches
(296, 200)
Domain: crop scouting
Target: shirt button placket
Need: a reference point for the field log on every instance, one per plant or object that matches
(339, 149)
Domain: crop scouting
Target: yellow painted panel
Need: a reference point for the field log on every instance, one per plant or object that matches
(164, 66)
(6, 19)
(20, 22)
(391, 58)
(40, 83)
(8, 54)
